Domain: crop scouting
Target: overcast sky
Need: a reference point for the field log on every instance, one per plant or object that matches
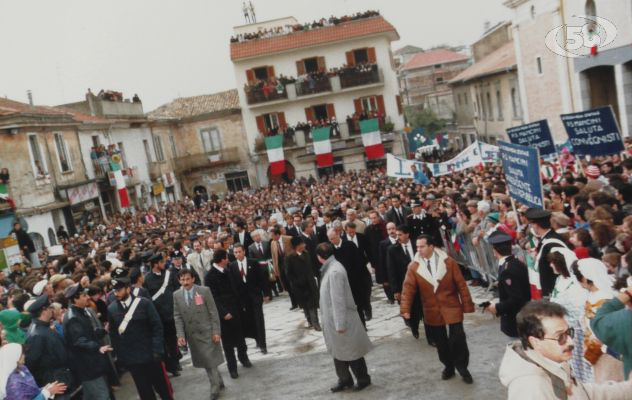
(163, 49)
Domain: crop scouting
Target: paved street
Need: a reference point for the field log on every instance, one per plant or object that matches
(298, 367)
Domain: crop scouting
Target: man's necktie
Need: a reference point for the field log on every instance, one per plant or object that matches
(260, 248)
(201, 262)
(242, 270)
(406, 251)
(429, 267)
(189, 298)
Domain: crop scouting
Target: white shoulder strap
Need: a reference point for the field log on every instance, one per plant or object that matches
(163, 287)
(128, 316)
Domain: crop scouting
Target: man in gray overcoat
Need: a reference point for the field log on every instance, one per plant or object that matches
(344, 334)
(197, 323)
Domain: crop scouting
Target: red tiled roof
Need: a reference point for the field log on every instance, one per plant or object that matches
(297, 40)
(500, 60)
(434, 57)
(197, 105)
(9, 107)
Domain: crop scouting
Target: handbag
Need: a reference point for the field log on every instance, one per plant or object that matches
(271, 274)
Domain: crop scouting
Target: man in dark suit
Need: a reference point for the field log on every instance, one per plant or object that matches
(229, 308)
(321, 231)
(294, 230)
(306, 210)
(381, 268)
(252, 287)
(259, 250)
(513, 284)
(301, 276)
(309, 237)
(540, 221)
(399, 257)
(375, 233)
(349, 256)
(241, 235)
(398, 213)
(360, 242)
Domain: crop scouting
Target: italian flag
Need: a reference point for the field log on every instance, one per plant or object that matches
(274, 146)
(121, 187)
(322, 147)
(370, 129)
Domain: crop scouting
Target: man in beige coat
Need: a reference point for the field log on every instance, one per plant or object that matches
(197, 324)
(536, 367)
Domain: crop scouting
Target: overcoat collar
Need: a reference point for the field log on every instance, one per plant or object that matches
(422, 269)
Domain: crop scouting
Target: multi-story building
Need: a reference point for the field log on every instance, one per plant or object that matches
(293, 74)
(551, 84)
(487, 94)
(49, 184)
(403, 55)
(116, 127)
(424, 80)
(206, 142)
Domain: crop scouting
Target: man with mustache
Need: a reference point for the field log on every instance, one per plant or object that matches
(537, 366)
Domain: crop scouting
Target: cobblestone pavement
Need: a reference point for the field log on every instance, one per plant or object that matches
(297, 365)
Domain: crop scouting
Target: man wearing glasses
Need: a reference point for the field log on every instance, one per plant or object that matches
(537, 366)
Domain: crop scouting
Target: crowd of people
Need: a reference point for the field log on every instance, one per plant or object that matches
(264, 33)
(136, 292)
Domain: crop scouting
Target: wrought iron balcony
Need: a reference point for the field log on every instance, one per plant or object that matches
(209, 159)
(360, 76)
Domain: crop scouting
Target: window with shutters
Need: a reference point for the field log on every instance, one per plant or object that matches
(261, 73)
(211, 139)
(122, 153)
(62, 153)
(361, 56)
(490, 114)
(320, 112)
(147, 151)
(499, 103)
(37, 160)
(369, 104)
(311, 65)
(160, 155)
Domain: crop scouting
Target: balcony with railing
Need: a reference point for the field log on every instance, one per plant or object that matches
(263, 92)
(359, 76)
(313, 85)
(209, 159)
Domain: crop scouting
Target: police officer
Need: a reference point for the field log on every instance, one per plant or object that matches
(136, 334)
(513, 284)
(422, 222)
(45, 351)
(87, 357)
(161, 283)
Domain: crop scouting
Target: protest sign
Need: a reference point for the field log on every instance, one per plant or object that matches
(489, 152)
(470, 157)
(536, 134)
(593, 132)
(521, 166)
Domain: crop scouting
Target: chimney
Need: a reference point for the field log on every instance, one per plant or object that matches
(29, 94)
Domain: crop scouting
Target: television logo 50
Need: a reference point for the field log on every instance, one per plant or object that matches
(596, 33)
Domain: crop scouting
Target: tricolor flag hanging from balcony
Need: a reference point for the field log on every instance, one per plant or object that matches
(322, 147)
(371, 138)
(121, 187)
(274, 146)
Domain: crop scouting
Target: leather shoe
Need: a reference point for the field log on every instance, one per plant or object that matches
(234, 374)
(447, 374)
(264, 350)
(416, 335)
(368, 315)
(361, 385)
(467, 378)
(342, 386)
(214, 396)
(246, 364)
(293, 308)
(317, 328)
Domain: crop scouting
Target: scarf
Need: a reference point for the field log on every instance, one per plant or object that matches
(21, 385)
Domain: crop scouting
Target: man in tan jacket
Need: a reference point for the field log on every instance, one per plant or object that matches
(444, 298)
(280, 248)
(536, 367)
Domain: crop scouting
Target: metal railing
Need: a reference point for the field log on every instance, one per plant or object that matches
(263, 94)
(353, 78)
(313, 86)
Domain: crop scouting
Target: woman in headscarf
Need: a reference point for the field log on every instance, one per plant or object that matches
(16, 381)
(592, 275)
(569, 293)
(10, 320)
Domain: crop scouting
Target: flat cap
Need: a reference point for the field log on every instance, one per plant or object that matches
(156, 257)
(536, 214)
(415, 203)
(119, 272)
(498, 237)
(55, 279)
(37, 304)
